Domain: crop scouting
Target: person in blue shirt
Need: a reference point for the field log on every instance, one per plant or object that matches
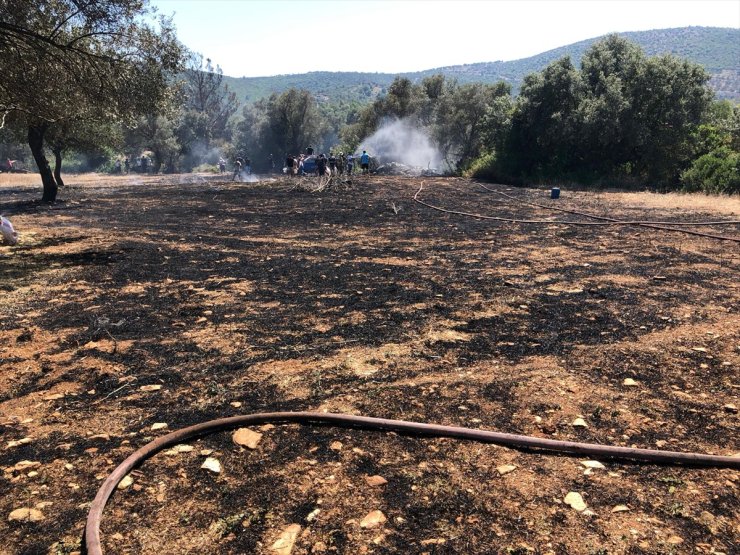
(365, 162)
(350, 163)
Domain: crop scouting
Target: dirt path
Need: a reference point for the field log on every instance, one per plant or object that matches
(173, 301)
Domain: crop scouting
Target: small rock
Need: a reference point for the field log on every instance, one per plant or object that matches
(629, 382)
(374, 519)
(101, 437)
(593, 464)
(54, 397)
(25, 465)
(159, 426)
(375, 480)
(575, 500)
(286, 540)
(205, 452)
(246, 438)
(212, 464)
(151, 387)
(182, 448)
(505, 469)
(674, 540)
(729, 407)
(336, 446)
(579, 423)
(661, 443)
(25, 514)
(620, 508)
(19, 442)
(236, 404)
(313, 514)
(126, 482)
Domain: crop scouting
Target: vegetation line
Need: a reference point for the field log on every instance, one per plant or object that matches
(596, 217)
(608, 221)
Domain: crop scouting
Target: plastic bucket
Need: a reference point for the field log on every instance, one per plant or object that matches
(555, 192)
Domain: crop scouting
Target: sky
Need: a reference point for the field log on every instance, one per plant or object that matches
(253, 38)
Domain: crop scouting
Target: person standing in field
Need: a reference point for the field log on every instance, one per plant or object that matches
(365, 162)
(332, 164)
(237, 169)
(350, 163)
(321, 165)
(340, 163)
(289, 164)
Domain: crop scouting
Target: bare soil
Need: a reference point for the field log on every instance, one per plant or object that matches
(241, 298)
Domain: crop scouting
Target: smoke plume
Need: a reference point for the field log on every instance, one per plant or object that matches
(399, 141)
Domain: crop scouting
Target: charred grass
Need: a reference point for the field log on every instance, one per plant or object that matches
(239, 298)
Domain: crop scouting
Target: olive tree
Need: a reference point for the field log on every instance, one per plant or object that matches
(74, 60)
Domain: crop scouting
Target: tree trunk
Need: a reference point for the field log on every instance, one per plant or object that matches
(36, 143)
(58, 165)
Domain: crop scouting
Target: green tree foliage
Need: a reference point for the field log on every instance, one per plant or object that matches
(63, 60)
(622, 115)
(462, 120)
(715, 172)
(285, 123)
(545, 125)
(209, 98)
(468, 120)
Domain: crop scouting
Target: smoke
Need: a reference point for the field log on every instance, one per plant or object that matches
(399, 141)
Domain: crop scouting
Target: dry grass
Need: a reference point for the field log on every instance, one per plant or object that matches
(688, 201)
(97, 179)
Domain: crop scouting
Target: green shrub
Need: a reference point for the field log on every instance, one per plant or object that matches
(487, 167)
(715, 172)
(206, 168)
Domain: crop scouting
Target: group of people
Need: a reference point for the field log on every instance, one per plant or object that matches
(333, 165)
(143, 165)
(241, 164)
(306, 164)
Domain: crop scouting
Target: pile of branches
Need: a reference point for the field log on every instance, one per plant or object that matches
(323, 183)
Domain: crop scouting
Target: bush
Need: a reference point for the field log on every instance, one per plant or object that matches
(206, 168)
(487, 167)
(715, 172)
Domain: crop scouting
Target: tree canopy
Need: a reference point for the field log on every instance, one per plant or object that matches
(74, 60)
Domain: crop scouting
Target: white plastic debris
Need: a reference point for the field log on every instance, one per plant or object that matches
(10, 235)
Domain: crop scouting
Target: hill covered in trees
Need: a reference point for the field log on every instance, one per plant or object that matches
(716, 49)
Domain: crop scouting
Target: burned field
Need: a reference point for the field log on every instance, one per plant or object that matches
(129, 306)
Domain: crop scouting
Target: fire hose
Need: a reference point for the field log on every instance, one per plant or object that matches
(653, 225)
(92, 527)
(665, 226)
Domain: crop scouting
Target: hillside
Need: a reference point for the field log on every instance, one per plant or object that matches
(717, 49)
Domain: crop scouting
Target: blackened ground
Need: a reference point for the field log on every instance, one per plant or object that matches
(239, 298)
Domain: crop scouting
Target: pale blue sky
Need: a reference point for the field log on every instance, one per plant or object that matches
(256, 37)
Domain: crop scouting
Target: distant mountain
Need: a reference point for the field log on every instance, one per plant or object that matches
(717, 49)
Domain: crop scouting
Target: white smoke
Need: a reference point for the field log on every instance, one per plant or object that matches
(399, 141)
